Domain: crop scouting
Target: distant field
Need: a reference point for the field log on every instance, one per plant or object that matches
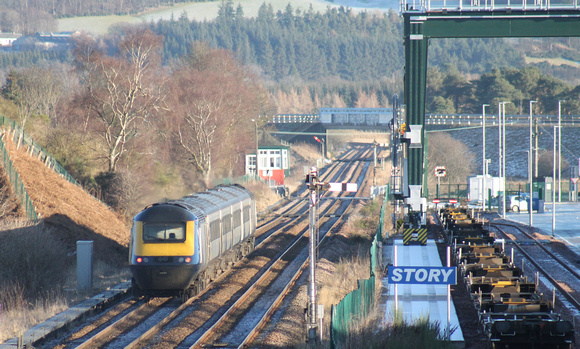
(553, 61)
(208, 11)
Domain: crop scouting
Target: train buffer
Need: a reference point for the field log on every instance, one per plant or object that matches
(415, 236)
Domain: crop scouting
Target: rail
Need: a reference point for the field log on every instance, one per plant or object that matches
(252, 322)
(547, 273)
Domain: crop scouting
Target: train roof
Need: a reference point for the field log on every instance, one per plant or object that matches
(204, 203)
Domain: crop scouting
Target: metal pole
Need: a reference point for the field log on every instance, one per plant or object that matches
(500, 156)
(560, 150)
(483, 157)
(396, 264)
(536, 137)
(499, 139)
(503, 159)
(530, 180)
(554, 187)
(449, 296)
(257, 150)
(313, 187)
(487, 162)
(375, 153)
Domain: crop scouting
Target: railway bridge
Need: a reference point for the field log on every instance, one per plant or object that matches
(293, 128)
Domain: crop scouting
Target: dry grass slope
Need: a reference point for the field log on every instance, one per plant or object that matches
(37, 259)
(60, 202)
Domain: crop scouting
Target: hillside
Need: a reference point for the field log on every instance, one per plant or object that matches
(207, 11)
(75, 214)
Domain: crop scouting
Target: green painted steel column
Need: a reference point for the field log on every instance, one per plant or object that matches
(415, 87)
(426, 166)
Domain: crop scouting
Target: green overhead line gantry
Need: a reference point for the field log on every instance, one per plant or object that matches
(424, 20)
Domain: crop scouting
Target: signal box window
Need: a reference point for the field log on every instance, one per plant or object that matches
(171, 232)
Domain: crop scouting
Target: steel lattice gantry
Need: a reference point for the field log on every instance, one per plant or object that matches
(425, 24)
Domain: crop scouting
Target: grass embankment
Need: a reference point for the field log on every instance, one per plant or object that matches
(38, 276)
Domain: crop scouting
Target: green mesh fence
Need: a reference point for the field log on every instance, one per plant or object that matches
(17, 184)
(354, 306)
(358, 304)
(34, 148)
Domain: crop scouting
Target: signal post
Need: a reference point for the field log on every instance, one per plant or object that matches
(315, 186)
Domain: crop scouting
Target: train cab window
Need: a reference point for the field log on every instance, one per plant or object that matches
(169, 232)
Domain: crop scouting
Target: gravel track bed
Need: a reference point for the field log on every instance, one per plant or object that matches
(92, 326)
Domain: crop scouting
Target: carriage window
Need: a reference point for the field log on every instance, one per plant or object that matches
(227, 223)
(214, 230)
(246, 214)
(237, 218)
(169, 232)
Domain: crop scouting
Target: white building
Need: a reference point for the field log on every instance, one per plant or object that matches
(6, 39)
(493, 184)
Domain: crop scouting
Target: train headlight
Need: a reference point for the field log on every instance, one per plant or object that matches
(188, 260)
(139, 259)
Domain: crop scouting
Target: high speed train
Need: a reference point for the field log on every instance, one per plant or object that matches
(178, 247)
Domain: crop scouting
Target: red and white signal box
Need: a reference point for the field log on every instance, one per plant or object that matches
(273, 164)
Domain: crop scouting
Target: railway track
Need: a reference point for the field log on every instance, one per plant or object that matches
(553, 267)
(238, 322)
(230, 304)
(242, 323)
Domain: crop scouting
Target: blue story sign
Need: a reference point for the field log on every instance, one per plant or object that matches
(422, 275)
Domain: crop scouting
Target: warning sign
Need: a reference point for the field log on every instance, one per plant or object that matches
(440, 171)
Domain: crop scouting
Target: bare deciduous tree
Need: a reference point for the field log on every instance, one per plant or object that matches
(33, 90)
(545, 164)
(446, 151)
(214, 104)
(121, 92)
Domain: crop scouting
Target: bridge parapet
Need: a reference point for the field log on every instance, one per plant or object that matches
(294, 119)
(477, 119)
(424, 6)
